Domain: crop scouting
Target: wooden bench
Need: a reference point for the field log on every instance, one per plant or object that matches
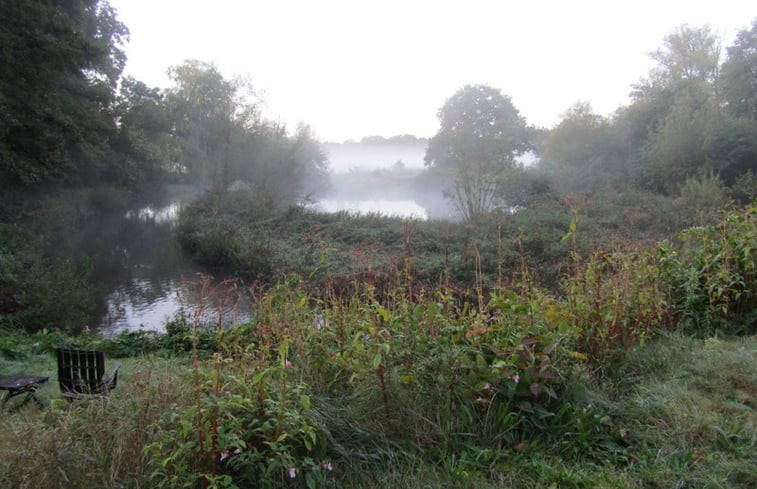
(81, 374)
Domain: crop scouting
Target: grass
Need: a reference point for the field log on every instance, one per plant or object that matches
(97, 443)
(414, 387)
(686, 408)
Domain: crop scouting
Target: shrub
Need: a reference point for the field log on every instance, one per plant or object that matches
(713, 276)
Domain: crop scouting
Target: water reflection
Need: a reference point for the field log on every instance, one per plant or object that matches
(147, 278)
(147, 304)
(168, 214)
(397, 208)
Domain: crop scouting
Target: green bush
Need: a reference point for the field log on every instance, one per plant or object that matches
(37, 292)
(713, 275)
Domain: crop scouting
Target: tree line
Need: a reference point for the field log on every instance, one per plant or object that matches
(69, 118)
(690, 130)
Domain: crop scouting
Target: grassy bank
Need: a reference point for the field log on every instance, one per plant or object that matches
(233, 231)
(638, 372)
(678, 412)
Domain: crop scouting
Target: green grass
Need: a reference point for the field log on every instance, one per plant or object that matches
(414, 387)
(681, 412)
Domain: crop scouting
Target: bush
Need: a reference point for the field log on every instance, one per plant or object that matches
(38, 292)
(713, 275)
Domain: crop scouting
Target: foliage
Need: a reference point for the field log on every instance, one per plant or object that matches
(225, 141)
(690, 115)
(704, 193)
(38, 292)
(713, 276)
(145, 141)
(424, 393)
(616, 300)
(236, 233)
(481, 133)
(60, 66)
(737, 74)
(579, 151)
(688, 53)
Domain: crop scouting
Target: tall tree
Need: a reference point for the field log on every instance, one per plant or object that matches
(679, 108)
(581, 151)
(739, 74)
(481, 133)
(145, 144)
(59, 67)
(206, 109)
(688, 53)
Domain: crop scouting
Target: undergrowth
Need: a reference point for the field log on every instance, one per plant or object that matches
(416, 386)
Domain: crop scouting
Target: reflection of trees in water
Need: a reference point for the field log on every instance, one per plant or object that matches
(150, 303)
(137, 263)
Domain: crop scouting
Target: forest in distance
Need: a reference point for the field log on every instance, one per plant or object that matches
(578, 310)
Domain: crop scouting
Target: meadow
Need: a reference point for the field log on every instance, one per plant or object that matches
(639, 371)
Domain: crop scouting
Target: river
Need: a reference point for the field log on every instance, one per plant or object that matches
(147, 278)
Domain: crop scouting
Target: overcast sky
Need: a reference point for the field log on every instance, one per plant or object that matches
(355, 68)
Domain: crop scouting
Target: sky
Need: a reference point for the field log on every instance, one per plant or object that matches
(356, 68)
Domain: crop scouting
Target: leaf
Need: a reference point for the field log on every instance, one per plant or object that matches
(377, 360)
(578, 355)
(383, 313)
(305, 401)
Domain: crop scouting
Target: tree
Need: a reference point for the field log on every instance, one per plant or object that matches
(60, 64)
(145, 144)
(481, 133)
(739, 74)
(283, 169)
(579, 152)
(206, 110)
(688, 54)
(679, 110)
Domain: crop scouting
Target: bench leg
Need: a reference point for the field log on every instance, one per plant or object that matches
(32, 395)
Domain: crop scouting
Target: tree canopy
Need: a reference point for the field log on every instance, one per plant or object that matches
(481, 132)
(60, 63)
(692, 117)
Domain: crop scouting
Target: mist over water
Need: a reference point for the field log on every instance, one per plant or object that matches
(394, 208)
(366, 156)
(386, 177)
(145, 276)
(148, 279)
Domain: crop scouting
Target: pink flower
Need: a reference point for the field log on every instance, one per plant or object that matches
(487, 387)
(327, 466)
(292, 472)
(288, 364)
(237, 451)
(224, 456)
(516, 378)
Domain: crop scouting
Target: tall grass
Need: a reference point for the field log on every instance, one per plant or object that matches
(396, 383)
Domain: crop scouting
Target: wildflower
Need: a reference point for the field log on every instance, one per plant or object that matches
(516, 378)
(288, 364)
(237, 451)
(487, 387)
(292, 472)
(224, 456)
(327, 466)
